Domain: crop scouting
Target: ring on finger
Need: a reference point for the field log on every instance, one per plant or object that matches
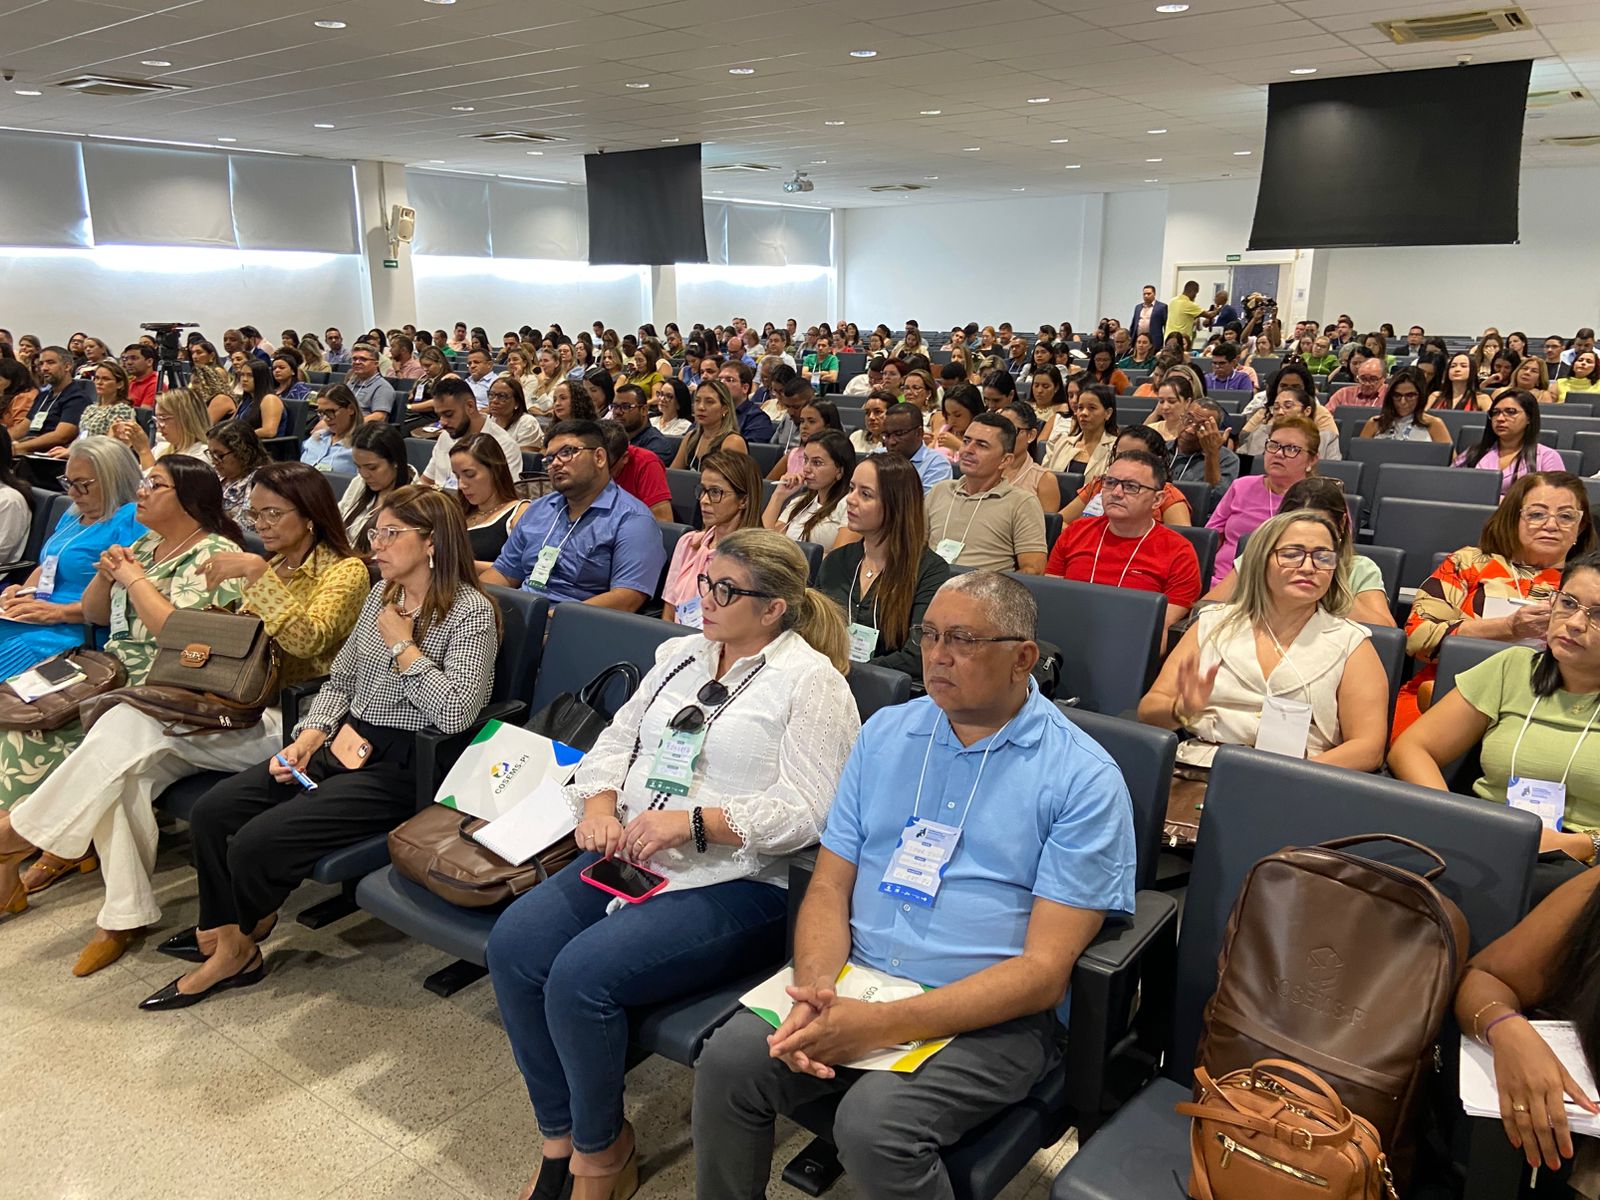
(1519, 1106)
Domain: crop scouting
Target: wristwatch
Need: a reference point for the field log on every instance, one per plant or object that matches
(399, 647)
(1594, 848)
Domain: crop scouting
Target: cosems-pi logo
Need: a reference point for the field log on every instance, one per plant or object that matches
(500, 770)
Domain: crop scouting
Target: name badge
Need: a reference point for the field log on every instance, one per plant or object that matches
(672, 771)
(543, 565)
(863, 641)
(1096, 505)
(47, 576)
(119, 612)
(688, 613)
(916, 869)
(949, 549)
(1285, 727)
(1544, 798)
(35, 425)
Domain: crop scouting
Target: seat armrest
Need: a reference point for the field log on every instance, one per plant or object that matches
(437, 750)
(1121, 1006)
(291, 698)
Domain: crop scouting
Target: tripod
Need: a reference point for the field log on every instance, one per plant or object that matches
(169, 375)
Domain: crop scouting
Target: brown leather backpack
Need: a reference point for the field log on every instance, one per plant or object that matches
(1346, 965)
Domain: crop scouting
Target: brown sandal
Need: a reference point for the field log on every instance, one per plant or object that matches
(48, 870)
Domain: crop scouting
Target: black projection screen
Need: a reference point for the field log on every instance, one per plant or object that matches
(1356, 161)
(644, 207)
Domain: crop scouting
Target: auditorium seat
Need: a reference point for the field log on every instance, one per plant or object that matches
(1107, 636)
(1458, 654)
(47, 507)
(685, 489)
(1205, 541)
(1196, 493)
(767, 456)
(1489, 849)
(418, 452)
(1416, 482)
(1423, 528)
(1385, 450)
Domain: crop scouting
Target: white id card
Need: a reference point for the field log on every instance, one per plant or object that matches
(1285, 726)
(863, 641)
(1096, 505)
(916, 869)
(35, 425)
(949, 549)
(688, 613)
(119, 612)
(47, 577)
(1544, 798)
(543, 565)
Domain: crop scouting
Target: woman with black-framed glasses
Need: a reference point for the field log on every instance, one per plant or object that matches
(729, 499)
(724, 761)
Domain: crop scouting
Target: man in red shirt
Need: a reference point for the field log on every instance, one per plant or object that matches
(139, 361)
(1368, 389)
(1128, 546)
(637, 472)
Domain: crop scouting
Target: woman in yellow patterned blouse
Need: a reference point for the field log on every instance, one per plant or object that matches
(308, 595)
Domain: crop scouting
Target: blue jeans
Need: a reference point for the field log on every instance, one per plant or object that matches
(564, 972)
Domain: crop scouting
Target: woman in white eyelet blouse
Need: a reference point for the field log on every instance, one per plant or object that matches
(763, 681)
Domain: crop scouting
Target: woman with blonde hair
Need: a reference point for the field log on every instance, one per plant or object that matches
(311, 350)
(182, 424)
(716, 426)
(760, 696)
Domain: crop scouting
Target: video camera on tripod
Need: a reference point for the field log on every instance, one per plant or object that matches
(169, 375)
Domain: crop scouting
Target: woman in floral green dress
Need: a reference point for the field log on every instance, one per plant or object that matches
(110, 405)
(137, 588)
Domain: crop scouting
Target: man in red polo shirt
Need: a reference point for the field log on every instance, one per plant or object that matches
(637, 472)
(1128, 546)
(139, 361)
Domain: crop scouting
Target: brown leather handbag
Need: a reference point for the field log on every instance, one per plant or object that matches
(225, 656)
(1277, 1131)
(101, 672)
(436, 850)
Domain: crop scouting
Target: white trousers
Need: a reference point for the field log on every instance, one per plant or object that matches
(102, 795)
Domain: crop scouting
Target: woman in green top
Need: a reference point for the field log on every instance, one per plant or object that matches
(1537, 715)
(1584, 380)
(137, 588)
(885, 581)
(1142, 357)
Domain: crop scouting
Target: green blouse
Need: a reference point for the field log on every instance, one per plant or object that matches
(181, 580)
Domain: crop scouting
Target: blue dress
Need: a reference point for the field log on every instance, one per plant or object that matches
(77, 548)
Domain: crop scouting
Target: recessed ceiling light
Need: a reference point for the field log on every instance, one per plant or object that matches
(1172, 8)
(819, 162)
(970, 149)
(1039, 100)
(322, 125)
(1072, 167)
(1059, 141)
(226, 139)
(716, 191)
(329, 24)
(833, 122)
(930, 177)
(1240, 153)
(438, 162)
(154, 62)
(668, 141)
(536, 153)
(439, 1)
(863, 54)
(1155, 130)
(28, 92)
(1152, 160)
(1152, 181)
(1302, 71)
(931, 112)
(741, 70)
(1019, 189)
(462, 108)
(639, 86)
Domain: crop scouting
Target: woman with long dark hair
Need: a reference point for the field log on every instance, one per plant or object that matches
(808, 506)
(1510, 442)
(422, 653)
(1402, 417)
(379, 453)
(254, 399)
(1456, 386)
(237, 454)
(488, 495)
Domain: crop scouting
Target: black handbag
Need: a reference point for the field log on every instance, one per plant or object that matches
(579, 720)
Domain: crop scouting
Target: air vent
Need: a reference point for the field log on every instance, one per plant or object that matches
(898, 187)
(106, 85)
(1575, 142)
(1555, 96)
(515, 136)
(734, 168)
(1455, 27)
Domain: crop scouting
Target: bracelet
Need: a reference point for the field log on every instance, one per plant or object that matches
(697, 826)
(1178, 717)
(1502, 1017)
(1480, 1013)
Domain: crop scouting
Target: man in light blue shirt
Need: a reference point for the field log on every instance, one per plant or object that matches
(373, 392)
(588, 540)
(480, 374)
(1034, 828)
(902, 435)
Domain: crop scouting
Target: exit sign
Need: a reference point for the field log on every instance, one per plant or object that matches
(1231, 258)
(392, 264)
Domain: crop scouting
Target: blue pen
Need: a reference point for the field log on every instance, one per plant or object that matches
(301, 777)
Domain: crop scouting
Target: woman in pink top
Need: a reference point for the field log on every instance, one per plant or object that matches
(1290, 455)
(730, 499)
(1510, 442)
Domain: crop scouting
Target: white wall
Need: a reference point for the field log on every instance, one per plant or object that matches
(1547, 283)
(507, 293)
(109, 291)
(1130, 251)
(716, 294)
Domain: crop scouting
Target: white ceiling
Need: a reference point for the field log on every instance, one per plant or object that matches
(260, 72)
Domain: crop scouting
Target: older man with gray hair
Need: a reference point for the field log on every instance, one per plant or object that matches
(981, 883)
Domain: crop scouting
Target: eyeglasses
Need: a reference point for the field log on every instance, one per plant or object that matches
(1565, 518)
(961, 643)
(1505, 412)
(266, 516)
(384, 534)
(1407, 394)
(1294, 556)
(717, 494)
(622, 406)
(78, 487)
(1129, 487)
(723, 591)
(1287, 449)
(1566, 607)
(329, 413)
(149, 483)
(568, 453)
(691, 718)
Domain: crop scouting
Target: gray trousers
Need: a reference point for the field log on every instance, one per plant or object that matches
(889, 1127)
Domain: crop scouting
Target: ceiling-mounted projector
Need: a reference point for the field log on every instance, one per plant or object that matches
(799, 184)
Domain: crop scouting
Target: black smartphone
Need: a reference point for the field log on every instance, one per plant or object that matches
(57, 670)
(624, 879)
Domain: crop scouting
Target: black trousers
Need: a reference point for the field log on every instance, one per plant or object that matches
(256, 840)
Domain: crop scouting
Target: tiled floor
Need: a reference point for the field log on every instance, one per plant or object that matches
(339, 1077)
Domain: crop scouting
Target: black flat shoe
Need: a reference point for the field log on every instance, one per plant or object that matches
(170, 997)
(185, 945)
(555, 1180)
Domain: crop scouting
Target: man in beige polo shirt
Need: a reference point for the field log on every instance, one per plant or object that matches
(979, 520)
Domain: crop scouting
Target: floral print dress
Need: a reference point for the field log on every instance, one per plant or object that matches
(27, 758)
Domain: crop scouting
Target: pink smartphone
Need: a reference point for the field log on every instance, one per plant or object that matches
(623, 879)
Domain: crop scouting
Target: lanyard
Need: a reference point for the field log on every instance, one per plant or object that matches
(1127, 566)
(1527, 720)
(638, 740)
(82, 529)
(545, 541)
(951, 512)
(983, 762)
(851, 593)
(1283, 657)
